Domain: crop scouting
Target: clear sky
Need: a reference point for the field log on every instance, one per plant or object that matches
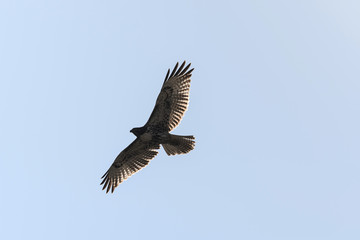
(274, 106)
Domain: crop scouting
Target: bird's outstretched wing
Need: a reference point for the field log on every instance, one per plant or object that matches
(133, 158)
(173, 99)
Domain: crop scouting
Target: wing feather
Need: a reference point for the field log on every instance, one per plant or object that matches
(174, 70)
(167, 75)
(132, 159)
(173, 99)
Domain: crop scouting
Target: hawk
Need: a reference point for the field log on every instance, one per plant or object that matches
(169, 109)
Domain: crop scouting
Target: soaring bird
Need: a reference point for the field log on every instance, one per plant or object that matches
(169, 109)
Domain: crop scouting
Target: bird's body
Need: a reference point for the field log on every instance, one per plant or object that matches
(170, 106)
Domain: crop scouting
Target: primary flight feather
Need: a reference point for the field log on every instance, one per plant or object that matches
(169, 109)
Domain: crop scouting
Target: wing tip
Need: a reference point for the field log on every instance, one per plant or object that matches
(179, 72)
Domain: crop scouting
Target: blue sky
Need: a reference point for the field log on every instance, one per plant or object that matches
(274, 107)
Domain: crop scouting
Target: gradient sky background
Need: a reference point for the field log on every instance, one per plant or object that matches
(274, 107)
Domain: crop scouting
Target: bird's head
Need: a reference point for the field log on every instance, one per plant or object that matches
(137, 131)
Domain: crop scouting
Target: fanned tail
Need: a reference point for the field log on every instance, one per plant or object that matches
(179, 144)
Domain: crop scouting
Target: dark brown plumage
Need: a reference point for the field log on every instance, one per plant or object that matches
(169, 109)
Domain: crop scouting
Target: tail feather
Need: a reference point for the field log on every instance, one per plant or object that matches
(179, 144)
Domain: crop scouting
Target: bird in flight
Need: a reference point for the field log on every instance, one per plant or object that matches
(169, 109)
